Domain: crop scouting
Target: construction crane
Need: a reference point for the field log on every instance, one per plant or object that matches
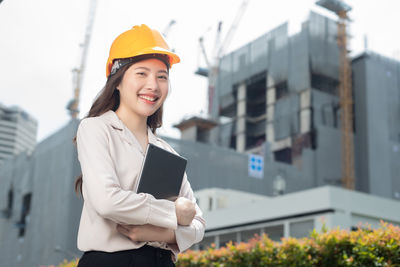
(345, 91)
(73, 104)
(219, 50)
(168, 28)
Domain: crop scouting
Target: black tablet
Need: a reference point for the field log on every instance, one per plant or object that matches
(162, 173)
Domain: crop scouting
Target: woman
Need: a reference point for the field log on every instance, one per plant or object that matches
(119, 227)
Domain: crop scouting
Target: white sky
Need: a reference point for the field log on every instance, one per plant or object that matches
(39, 46)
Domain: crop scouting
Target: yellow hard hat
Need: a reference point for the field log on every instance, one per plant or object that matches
(140, 40)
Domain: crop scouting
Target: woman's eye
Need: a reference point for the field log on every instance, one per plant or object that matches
(163, 77)
(140, 73)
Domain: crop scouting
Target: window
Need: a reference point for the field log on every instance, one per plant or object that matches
(274, 233)
(284, 155)
(330, 114)
(281, 90)
(7, 212)
(255, 112)
(206, 242)
(232, 143)
(210, 203)
(301, 229)
(256, 98)
(203, 135)
(324, 83)
(226, 238)
(250, 234)
(26, 206)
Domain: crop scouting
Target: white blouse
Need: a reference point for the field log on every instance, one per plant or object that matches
(111, 158)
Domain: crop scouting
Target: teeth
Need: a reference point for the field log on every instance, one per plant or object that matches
(147, 98)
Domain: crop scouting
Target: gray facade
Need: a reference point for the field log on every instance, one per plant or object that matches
(212, 166)
(40, 212)
(377, 111)
(281, 91)
(18, 132)
(277, 97)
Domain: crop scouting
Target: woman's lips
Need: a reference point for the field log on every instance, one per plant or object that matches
(147, 100)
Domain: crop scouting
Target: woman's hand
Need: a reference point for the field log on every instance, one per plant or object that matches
(185, 211)
(147, 232)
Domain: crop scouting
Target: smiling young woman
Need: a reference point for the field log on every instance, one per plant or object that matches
(118, 226)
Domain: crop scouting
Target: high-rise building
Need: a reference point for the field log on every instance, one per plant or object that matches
(18, 132)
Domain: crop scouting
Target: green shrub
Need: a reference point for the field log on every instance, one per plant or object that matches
(364, 247)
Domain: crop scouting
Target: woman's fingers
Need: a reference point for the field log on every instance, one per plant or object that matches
(129, 231)
(122, 229)
(147, 232)
(126, 227)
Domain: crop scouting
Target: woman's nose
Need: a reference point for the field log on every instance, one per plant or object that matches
(151, 82)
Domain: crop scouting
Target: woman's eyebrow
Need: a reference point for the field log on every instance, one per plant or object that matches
(163, 71)
(145, 68)
(142, 68)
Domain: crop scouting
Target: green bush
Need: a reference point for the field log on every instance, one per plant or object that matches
(364, 247)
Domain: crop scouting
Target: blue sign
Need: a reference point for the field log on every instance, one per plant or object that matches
(256, 166)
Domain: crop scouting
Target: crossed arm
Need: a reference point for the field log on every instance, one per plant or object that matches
(185, 212)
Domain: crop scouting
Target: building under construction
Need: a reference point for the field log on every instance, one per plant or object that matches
(276, 97)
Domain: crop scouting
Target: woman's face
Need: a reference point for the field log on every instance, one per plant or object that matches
(144, 87)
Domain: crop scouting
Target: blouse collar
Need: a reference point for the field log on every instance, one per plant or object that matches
(111, 118)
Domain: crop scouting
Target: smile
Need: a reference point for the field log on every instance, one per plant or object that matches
(148, 98)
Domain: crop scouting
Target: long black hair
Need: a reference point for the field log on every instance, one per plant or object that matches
(109, 99)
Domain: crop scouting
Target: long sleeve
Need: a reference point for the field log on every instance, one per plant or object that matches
(186, 236)
(102, 189)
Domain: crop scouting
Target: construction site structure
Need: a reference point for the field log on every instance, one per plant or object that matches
(281, 97)
(167, 29)
(212, 63)
(346, 105)
(73, 105)
(345, 91)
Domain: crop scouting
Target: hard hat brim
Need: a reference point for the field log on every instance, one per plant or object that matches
(173, 58)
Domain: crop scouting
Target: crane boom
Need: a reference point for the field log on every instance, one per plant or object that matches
(219, 50)
(217, 42)
(232, 29)
(213, 71)
(168, 27)
(73, 105)
(203, 50)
